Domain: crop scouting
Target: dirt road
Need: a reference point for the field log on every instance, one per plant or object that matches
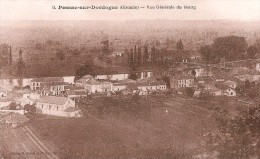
(24, 142)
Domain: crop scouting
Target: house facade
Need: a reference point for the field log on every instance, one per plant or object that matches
(57, 106)
(152, 86)
(93, 86)
(180, 81)
(55, 88)
(230, 92)
(38, 83)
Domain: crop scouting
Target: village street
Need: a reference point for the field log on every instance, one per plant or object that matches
(23, 142)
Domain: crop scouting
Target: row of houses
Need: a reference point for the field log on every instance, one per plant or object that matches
(49, 105)
(54, 96)
(211, 84)
(92, 85)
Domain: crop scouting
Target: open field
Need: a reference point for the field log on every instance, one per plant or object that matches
(157, 127)
(162, 128)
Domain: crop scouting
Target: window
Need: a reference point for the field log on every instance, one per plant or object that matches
(231, 93)
(49, 106)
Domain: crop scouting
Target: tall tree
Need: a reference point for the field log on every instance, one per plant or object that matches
(105, 46)
(180, 47)
(146, 55)
(153, 55)
(20, 65)
(135, 56)
(131, 58)
(139, 56)
(86, 69)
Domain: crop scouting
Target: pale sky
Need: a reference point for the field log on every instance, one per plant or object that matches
(205, 10)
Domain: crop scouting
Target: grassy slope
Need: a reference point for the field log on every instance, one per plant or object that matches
(123, 133)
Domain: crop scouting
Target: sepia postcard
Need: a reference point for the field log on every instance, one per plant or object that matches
(129, 79)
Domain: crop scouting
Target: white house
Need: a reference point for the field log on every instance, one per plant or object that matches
(24, 101)
(5, 102)
(230, 92)
(257, 67)
(3, 92)
(57, 106)
(227, 91)
(82, 81)
(152, 86)
(93, 86)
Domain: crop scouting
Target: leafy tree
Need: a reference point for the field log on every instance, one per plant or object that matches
(133, 76)
(30, 108)
(105, 46)
(193, 72)
(257, 44)
(237, 138)
(12, 106)
(229, 47)
(206, 52)
(166, 79)
(189, 92)
(86, 69)
(76, 52)
(60, 55)
(251, 51)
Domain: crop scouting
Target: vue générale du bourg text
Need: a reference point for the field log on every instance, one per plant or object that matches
(130, 7)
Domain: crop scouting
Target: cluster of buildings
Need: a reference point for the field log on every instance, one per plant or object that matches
(214, 81)
(55, 96)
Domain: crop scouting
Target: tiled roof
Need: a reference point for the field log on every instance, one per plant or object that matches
(53, 100)
(54, 79)
(48, 79)
(37, 80)
(23, 100)
(214, 89)
(72, 92)
(184, 76)
(2, 89)
(124, 82)
(153, 83)
(132, 86)
(23, 91)
(71, 109)
(6, 99)
(222, 86)
(57, 83)
(93, 82)
(15, 118)
(71, 87)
